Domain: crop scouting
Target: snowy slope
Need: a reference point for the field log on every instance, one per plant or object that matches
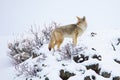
(101, 42)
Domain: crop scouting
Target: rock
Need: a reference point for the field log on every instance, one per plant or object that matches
(116, 78)
(90, 77)
(98, 57)
(93, 77)
(106, 74)
(118, 41)
(46, 78)
(94, 67)
(64, 75)
(93, 49)
(93, 34)
(80, 58)
(87, 78)
(117, 61)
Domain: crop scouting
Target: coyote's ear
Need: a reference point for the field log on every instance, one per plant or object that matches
(83, 18)
(78, 18)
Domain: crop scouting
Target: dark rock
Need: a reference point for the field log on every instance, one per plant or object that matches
(117, 61)
(106, 74)
(76, 58)
(80, 58)
(87, 78)
(118, 41)
(94, 49)
(64, 65)
(93, 34)
(64, 75)
(98, 57)
(116, 78)
(46, 78)
(94, 67)
(93, 77)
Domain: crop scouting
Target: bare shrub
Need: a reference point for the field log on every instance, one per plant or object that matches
(31, 67)
(48, 30)
(25, 48)
(28, 70)
(69, 51)
(113, 47)
(21, 50)
(38, 38)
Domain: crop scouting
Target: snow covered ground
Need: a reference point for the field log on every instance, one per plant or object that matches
(101, 42)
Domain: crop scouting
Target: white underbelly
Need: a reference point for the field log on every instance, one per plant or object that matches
(68, 36)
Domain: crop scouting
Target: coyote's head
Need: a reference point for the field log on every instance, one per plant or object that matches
(82, 22)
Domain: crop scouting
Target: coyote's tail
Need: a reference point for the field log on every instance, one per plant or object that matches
(52, 42)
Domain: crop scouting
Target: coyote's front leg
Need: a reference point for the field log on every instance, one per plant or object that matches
(75, 38)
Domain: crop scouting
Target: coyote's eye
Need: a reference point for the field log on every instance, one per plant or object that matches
(80, 21)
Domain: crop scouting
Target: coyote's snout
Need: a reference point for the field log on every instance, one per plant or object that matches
(71, 30)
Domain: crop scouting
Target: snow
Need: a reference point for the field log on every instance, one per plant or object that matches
(101, 42)
(16, 17)
(6, 68)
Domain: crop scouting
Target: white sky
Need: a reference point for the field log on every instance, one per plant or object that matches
(16, 16)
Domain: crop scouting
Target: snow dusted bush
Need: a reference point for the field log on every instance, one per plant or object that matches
(78, 53)
(38, 38)
(69, 51)
(48, 30)
(31, 67)
(21, 50)
(28, 70)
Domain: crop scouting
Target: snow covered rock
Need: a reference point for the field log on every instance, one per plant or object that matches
(117, 61)
(94, 67)
(80, 58)
(116, 78)
(65, 75)
(106, 74)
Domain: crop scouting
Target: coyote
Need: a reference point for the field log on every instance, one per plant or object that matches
(71, 31)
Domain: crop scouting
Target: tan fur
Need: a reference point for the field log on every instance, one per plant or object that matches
(71, 31)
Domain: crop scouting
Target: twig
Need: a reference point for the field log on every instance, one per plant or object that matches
(113, 47)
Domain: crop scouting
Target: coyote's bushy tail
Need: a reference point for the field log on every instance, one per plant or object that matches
(52, 42)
